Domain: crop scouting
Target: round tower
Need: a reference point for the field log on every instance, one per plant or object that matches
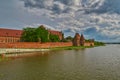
(76, 40)
(82, 40)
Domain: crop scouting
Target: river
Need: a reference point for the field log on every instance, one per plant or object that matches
(99, 63)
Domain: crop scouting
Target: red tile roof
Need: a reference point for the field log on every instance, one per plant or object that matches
(10, 33)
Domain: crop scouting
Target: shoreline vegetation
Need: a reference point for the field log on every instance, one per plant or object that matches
(97, 44)
(71, 47)
(20, 50)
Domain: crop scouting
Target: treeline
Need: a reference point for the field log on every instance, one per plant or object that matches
(39, 34)
(97, 43)
(68, 39)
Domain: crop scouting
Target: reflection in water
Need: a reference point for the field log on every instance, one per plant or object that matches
(100, 63)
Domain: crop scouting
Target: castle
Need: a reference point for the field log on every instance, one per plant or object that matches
(80, 41)
(11, 35)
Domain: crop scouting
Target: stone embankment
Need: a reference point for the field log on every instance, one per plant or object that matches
(34, 45)
(6, 50)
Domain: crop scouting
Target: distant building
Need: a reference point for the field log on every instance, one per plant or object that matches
(11, 35)
(80, 41)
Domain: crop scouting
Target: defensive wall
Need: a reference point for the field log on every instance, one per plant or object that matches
(40, 45)
(35, 45)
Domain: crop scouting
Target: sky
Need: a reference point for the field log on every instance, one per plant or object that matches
(98, 19)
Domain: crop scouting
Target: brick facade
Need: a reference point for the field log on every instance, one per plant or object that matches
(10, 35)
(9, 39)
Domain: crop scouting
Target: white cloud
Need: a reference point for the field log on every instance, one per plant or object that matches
(80, 15)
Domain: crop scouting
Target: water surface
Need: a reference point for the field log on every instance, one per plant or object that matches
(99, 63)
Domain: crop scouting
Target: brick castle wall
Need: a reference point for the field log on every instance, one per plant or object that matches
(35, 45)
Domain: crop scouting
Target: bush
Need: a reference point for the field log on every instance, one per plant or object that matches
(99, 43)
(54, 38)
(39, 34)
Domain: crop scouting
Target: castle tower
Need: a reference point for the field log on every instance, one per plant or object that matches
(76, 40)
(82, 40)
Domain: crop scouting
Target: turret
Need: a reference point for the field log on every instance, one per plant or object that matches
(76, 40)
(82, 40)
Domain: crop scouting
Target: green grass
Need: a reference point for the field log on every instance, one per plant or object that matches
(99, 45)
(70, 48)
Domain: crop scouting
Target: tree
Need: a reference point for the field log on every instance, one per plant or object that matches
(35, 34)
(39, 34)
(42, 34)
(29, 35)
(99, 43)
(69, 38)
(54, 38)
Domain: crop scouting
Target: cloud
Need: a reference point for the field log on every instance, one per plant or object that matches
(92, 17)
(65, 6)
(106, 6)
(36, 25)
(61, 6)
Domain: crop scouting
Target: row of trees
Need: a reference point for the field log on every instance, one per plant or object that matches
(68, 39)
(99, 43)
(39, 34)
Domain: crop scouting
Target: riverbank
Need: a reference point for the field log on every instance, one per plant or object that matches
(8, 53)
(97, 44)
(14, 50)
(71, 47)
(5, 52)
(18, 50)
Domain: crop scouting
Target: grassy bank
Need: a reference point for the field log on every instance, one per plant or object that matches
(97, 43)
(59, 48)
(71, 48)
